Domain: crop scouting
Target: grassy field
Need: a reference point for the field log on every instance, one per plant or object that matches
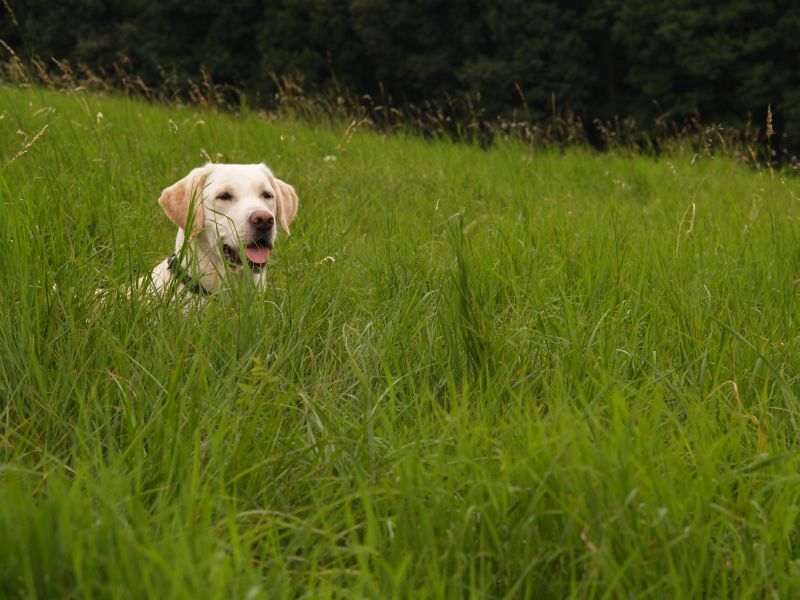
(523, 373)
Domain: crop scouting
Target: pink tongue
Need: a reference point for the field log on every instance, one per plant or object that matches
(257, 255)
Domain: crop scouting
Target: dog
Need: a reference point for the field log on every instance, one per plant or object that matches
(227, 216)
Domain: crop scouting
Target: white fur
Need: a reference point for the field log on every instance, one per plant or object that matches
(225, 221)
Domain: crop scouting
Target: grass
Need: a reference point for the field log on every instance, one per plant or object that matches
(524, 373)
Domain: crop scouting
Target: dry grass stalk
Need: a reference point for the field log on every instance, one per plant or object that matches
(26, 146)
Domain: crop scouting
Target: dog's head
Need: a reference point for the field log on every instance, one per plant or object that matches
(235, 207)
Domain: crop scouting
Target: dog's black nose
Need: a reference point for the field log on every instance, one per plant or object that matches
(262, 220)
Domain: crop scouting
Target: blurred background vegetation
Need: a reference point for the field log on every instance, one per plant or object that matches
(598, 61)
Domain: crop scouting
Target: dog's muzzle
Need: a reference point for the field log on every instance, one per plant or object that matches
(256, 253)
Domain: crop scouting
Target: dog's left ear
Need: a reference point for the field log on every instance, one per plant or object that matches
(183, 201)
(287, 203)
(285, 198)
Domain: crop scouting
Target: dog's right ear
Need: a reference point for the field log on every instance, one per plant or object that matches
(183, 201)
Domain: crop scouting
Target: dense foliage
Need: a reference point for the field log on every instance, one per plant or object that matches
(721, 60)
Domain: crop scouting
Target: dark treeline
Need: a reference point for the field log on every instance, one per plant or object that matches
(719, 60)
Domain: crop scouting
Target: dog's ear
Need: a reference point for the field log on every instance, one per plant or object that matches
(183, 201)
(286, 199)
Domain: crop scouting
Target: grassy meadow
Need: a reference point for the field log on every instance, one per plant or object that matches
(504, 373)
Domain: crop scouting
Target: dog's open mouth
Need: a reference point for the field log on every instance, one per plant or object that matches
(257, 254)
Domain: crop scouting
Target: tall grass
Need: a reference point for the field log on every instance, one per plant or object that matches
(490, 374)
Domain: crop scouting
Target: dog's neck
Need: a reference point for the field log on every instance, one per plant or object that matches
(202, 262)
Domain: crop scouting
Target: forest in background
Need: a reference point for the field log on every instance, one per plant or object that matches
(718, 61)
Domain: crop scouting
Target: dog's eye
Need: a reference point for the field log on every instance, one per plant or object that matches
(267, 195)
(225, 196)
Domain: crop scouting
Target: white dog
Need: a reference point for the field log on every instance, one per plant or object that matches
(227, 216)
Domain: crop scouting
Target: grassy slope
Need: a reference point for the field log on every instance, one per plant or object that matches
(515, 379)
